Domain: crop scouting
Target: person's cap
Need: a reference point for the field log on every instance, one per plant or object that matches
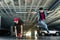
(16, 19)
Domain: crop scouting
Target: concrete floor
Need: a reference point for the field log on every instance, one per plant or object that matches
(38, 38)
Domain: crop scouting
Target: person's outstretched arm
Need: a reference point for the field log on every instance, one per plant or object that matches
(21, 30)
(50, 11)
(15, 31)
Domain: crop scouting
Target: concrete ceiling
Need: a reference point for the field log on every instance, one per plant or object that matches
(24, 9)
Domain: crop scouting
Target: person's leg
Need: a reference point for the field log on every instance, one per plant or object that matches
(43, 25)
(19, 32)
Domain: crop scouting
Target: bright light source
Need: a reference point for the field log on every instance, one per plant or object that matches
(28, 33)
(35, 34)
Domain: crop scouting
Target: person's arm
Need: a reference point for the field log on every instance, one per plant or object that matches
(15, 27)
(37, 15)
(45, 12)
(15, 31)
(21, 29)
(50, 11)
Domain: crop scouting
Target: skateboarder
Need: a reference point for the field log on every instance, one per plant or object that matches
(18, 25)
(41, 15)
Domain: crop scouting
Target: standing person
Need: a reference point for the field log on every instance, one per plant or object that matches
(18, 27)
(41, 15)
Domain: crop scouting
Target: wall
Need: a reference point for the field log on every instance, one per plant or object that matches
(0, 21)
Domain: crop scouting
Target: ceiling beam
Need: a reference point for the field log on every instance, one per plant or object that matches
(53, 13)
(13, 5)
(47, 1)
(3, 13)
(54, 4)
(22, 7)
(54, 21)
(25, 12)
(43, 2)
(25, 8)
(8, 8)
(54, 17)
(25, 5)
(30, 9)
(4, 9)
(19, 4)
(39, 2)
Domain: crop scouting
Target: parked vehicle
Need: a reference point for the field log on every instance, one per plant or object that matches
(51, 32)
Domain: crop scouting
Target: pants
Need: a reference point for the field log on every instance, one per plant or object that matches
(18, 29)
(43, 25)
